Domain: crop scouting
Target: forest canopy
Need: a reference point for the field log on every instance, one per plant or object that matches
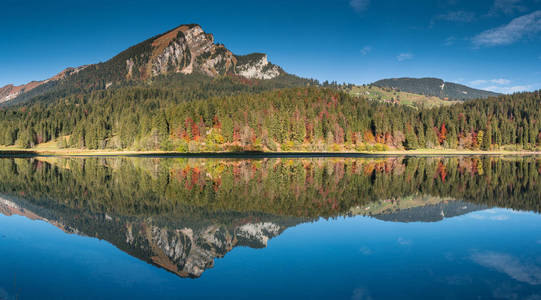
(232, 114)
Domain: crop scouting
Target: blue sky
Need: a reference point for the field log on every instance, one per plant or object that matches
(492, 44)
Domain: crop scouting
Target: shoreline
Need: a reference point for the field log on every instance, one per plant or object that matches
(113, 153)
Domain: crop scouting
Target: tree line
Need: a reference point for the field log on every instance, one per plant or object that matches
(309, 188)
(229, 114)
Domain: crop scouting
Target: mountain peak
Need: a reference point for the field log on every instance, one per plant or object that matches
(186, 49)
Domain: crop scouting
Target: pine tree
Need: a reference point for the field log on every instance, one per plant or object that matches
(486, 140)
(411, 139)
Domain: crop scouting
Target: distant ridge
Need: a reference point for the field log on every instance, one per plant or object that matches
(434, 87)
(10, 91)
(431, 212)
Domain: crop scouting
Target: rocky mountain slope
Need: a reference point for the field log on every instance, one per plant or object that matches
(186, 247)
(186, 49)
(10, 92)
(434, 87)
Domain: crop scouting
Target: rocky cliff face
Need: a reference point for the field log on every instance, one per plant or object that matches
(188, 252)
(8, 92)
(258, 67)
(188, 49)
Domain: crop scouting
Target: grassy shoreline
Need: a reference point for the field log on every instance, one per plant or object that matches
(82, 152)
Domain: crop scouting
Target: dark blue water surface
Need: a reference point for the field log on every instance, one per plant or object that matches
(398, 228)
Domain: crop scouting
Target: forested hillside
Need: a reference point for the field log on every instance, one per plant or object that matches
(388, 95)
(233, 114)
(434, 87)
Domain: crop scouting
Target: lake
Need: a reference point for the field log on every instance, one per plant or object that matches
(464, 227)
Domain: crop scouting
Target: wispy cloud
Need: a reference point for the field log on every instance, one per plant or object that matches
(509, 265)
(404, 56)
(365, 50)
(500, 85)
(359, 5)
(450, 41)
(361, 293)
(404, 242)
(507, 7)
(509, 89)
(366, 251)
(492, 218)
(516, 30)
(479, 82)
(455, 17)
(5, 295)
(501, 81)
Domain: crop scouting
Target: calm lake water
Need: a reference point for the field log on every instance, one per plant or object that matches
(288, 228)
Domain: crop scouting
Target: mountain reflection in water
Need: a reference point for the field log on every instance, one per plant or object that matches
(182, 214)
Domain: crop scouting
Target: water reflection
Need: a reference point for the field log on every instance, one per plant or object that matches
(182, 214)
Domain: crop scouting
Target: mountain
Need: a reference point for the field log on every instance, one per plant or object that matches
(186, 50)
(417, 208)
(386, 95)
(10, 92)
(434, 87)
(431, 212)
(184, 246)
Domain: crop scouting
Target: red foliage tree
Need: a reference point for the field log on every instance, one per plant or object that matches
(442, 135)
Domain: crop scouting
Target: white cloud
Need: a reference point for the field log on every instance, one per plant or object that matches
(500, 81)
(359, 5)
(509, 265)
(508, 89)
(404, 56)
(516, 30)
(491, 218)
(455, 16)
(507, 7)
(365, 50)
